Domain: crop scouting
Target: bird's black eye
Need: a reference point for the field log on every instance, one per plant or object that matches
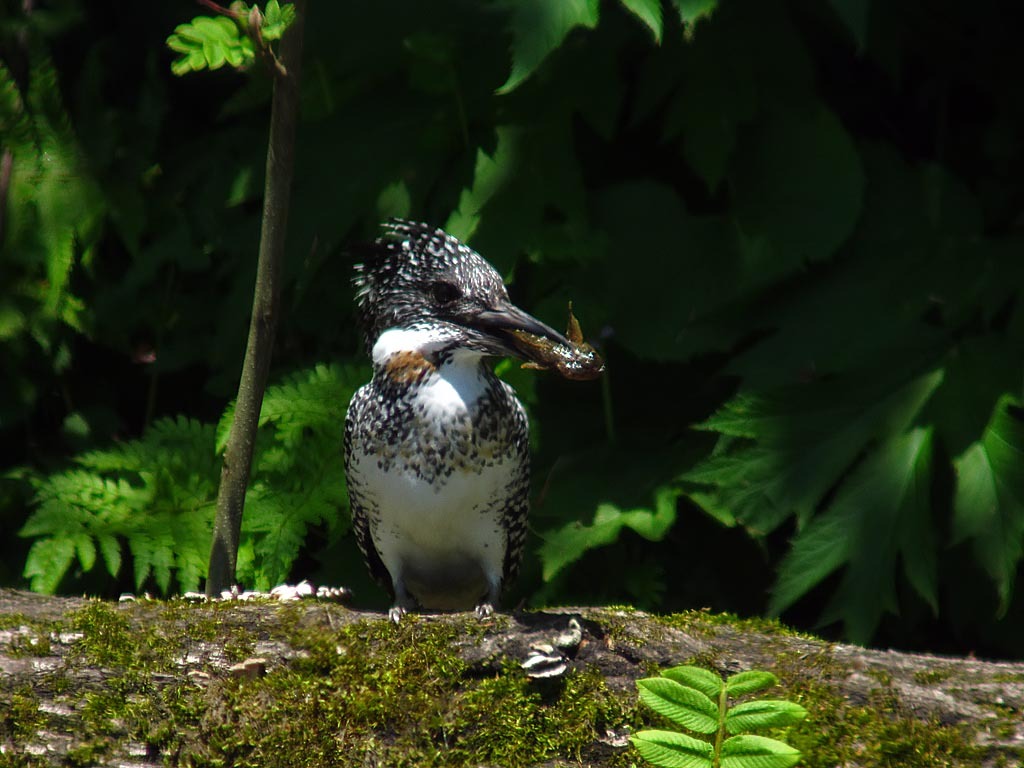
(444, 292)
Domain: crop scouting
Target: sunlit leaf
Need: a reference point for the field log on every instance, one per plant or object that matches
(704, 680)
(750, 681)
(692, 11)
(748, 751)
(209, 42)
(881, 512)
(649, 12)
(538, 28)
(989, 502)
(764, 713)
(566, 545)
(669, 749)
(686, 706)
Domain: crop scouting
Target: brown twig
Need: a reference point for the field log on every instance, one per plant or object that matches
(266, 298)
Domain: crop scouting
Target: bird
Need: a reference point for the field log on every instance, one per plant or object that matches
(436, 446)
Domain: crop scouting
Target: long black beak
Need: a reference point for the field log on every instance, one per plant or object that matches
(500, 323)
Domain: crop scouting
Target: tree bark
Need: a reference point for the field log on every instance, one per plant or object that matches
(150, 683)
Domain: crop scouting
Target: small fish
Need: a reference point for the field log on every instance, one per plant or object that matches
(579, 361)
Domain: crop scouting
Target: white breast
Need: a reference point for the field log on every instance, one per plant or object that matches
(443, 534)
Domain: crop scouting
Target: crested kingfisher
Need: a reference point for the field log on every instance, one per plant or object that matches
(436, 446)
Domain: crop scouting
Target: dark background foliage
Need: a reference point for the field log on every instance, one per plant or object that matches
(792, 227)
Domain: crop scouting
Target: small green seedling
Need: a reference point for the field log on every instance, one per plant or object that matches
(700, 701)
(235, 37)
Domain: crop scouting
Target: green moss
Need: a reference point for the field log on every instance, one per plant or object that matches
(394, 696)
(932, 676)
(703, 621)
(20, 716)
(23, 645)
(882, 676)
(877, 735)
(16, 620)
(107, 638)
(30, 637)
(1008, 678)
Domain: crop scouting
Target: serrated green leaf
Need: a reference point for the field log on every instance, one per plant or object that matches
(804, 438)
(567, 544)
(880, 512)
(276, 20)
(272, 12)
(110, 549)
(538, 28)
(686, 706)
(86, 551)
(747, 751)
(649, 12)
(692, 11)
(668, 749)
(47, 562)
(989, 500)
(750, 681)
(766, 713)
(799, 185)
(489, 175)
(704, 680)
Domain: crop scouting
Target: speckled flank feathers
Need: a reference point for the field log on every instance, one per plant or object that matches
(436, 446)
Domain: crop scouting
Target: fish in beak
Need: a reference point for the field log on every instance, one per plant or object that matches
(521, 335)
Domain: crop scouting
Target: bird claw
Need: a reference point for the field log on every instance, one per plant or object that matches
(395, 614)
(484, 610)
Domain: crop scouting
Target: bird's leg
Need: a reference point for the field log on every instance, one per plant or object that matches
(486, 608)
(403, 602)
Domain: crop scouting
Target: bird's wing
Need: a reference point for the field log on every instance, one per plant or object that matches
(357, 506)
(517, 511)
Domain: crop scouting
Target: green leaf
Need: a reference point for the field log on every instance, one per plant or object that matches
(854, 14)
(750, 681)
(882, 511)
(686, 706)
(668, 749)
(110, 548)
(276, 19)
(798, 442)
(489, 175)
(989, 501)
(649, 12)
(394, 201)
(538, 28)
(669, 318)
(567, 544)
(692, 11)
(48, 560)
(766, 713)
(86, 551)
(799, 185)
(748, 751)
(704, 680)
(208, 43)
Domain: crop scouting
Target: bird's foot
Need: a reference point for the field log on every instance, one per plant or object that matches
(395, 614)
(484, 610)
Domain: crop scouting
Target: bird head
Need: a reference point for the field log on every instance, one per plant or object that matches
(421, 280)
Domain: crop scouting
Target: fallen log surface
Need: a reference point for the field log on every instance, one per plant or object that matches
(152, 683)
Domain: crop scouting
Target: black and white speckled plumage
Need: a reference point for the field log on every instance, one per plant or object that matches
(436, 446)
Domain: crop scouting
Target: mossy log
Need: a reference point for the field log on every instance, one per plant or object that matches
(309, 683)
